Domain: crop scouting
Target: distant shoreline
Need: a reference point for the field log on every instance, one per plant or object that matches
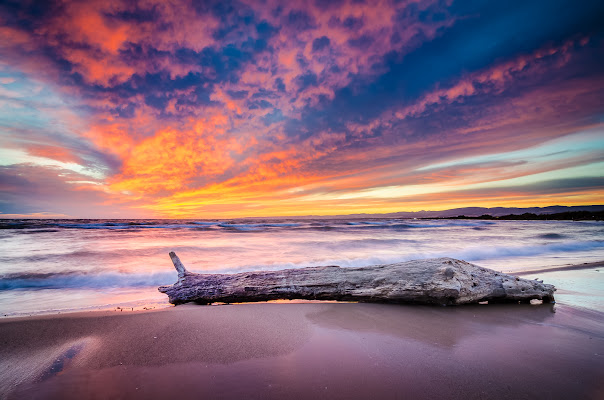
(455, 213)
(563, 216)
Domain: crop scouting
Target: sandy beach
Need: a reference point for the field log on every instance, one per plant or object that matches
(304, 350)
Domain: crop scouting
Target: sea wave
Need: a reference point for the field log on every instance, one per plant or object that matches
(105, 279)
(488, 253)
(124, 226)
(551, 236)
(258, 226)
(49, 226)
(75, 279)
(472, 253)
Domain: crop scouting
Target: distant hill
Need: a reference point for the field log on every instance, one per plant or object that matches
(468, 212)
(566, 215)
(498, 211)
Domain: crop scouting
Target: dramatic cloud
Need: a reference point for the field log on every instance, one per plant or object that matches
(259, 108)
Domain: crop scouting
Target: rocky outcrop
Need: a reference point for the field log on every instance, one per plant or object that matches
(443, 281)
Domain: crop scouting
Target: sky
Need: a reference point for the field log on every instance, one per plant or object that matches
(225, 109)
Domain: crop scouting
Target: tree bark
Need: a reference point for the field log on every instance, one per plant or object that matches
(445, 281)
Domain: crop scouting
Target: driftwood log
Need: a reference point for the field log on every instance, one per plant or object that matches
(444, 281)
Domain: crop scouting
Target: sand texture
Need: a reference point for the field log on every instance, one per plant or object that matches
(312, 350)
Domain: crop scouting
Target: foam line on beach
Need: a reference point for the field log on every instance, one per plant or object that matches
(592, 265)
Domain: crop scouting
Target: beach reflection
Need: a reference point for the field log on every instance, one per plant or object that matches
(440, 326)
(341, 351)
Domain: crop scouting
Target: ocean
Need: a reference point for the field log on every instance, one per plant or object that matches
(49, 266)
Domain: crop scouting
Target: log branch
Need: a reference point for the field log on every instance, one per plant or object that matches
(180, 268)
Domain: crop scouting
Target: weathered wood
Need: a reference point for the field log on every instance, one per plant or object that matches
(444, 281)
(180, 268)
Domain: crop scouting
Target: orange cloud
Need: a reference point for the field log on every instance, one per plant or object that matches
(172, 158)
(53, 152)
(86, 35)
(351, 51)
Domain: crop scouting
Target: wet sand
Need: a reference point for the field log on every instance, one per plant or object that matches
(313, 350)
(591, 265)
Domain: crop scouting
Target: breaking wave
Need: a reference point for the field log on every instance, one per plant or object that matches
(75, 279)
(489, 253)
(69, 279)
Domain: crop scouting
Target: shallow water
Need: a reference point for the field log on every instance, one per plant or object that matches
(54, 265)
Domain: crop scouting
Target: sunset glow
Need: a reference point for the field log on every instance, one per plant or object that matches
(227, 109)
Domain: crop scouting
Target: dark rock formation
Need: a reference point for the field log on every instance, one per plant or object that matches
(443, 281)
